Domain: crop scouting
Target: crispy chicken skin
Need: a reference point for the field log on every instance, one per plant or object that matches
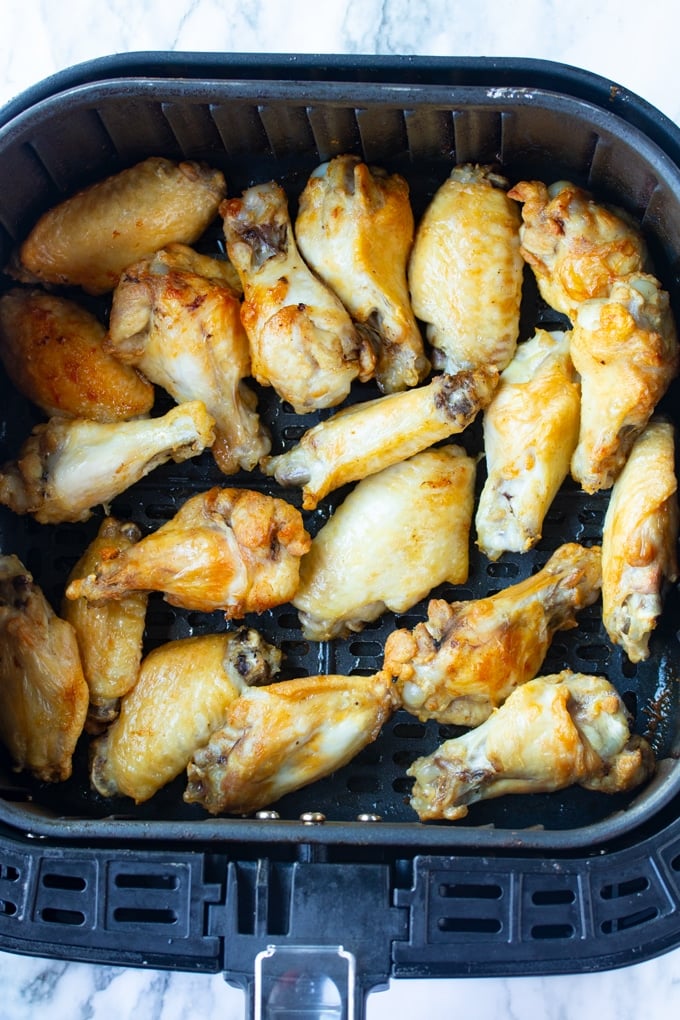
(576, 247)
(553, 732)
(176, 318)
(67, 467)
(109, 634)
(90, 238)
(531, 429)
(53, 351)
(365, 438)
(183, 695)
(355, 229)
(284, 736)
(234, 550)
(396, 536)
(639, 541)
(43, 693)
(625, 349)
(302, 340)
(467, 657)
(465, 271)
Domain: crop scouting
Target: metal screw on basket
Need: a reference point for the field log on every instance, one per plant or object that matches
(312, 818)
(270, 816)
(368, 816)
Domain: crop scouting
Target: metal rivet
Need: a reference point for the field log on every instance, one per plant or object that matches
(312, 818)
(270, 816)
(369, 817)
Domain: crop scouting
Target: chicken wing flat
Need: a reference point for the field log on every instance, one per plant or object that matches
(183, 695)
(43, 695)
(396, 536)
(576, 247)
(109, 634)
(553, 732)
(53, 352)
(233, 550)
(90, 238)
(176, 318)
(467, 657)
(66, 467)
(639, 541)
(284, 736)
(365, 438)
(625, 349)
(465, 271)
(531, 429)
(355, 229)
(302, 340)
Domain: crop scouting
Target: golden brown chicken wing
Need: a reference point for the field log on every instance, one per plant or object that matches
(465, 271)
(175, 317)
(53, 352)
(465, 660)
(302, 340)
(68, 466)
(182, 697)
(234, 550)
(551, 733)
(639, 541)
(43, 695)
(284, 736)
(91, 237)
(355, 229)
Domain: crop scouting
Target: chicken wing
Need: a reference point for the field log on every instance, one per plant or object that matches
(302, 340)
(531, 429)
(53, 352)
(396, 536)
(67, 467)
(639, 541)
(90, 238)
(576, 247)
(234, 550)
(43, 695)
(109, 633)
(183, 695)
(284, 736)
(175, 317)
(465, 271)
(365, 438)
(625, 349)
(465, 660)
(553, 732)
(355, 229)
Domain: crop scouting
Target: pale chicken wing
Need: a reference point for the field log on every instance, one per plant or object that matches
(355, 229)
(553, 732)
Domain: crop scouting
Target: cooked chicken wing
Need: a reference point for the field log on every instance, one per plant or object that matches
(551, 733)
(284, 736)
(365, 438)
(53, 352)
(531, 429)
(465, 271)
(355, 229)
(43, 695)
(175, 317)
(183, 695)
(639, 541)
(576, 247)
(90, 238)
(109, 633)
(464, 661)
(396, 536)
(234, 550)
(625, 349)
(68, 466)
(302, 340)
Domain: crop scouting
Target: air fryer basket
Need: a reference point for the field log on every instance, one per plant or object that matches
(258, 119)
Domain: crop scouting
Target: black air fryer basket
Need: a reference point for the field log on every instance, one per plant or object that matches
(341, 881)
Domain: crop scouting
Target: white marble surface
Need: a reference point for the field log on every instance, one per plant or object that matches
(635, 47)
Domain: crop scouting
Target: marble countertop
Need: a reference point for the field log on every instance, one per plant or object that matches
(633, 47)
